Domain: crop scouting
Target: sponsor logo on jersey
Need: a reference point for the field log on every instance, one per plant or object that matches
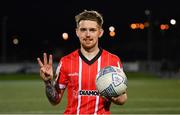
(73, 74)
(88, 92)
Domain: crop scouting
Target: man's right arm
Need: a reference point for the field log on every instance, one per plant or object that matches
(53, 94)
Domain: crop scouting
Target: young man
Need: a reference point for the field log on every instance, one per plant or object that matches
(77, 70)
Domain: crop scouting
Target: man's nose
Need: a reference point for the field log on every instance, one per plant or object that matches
(87, 33)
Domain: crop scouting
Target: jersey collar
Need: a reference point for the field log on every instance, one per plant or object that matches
(89, 62)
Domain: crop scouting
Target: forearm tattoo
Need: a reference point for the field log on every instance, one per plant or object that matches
(52, 93)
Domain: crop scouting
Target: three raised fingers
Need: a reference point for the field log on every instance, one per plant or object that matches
(41, 64)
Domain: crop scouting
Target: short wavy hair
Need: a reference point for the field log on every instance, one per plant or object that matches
(89, 15)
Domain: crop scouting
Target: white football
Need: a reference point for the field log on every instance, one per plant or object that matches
(111, 81)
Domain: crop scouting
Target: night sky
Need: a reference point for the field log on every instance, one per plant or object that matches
(39, 24)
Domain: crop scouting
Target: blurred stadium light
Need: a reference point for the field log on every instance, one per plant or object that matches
(112, 33)
(173, 21)
(164, 26)
(111, 28)
(65, 36)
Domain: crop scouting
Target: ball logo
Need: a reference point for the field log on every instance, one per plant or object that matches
(109, 91)
(108, 70)
(104, 71)
(117, 80)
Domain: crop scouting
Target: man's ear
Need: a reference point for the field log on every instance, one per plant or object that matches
(76, 32)
(101, 33)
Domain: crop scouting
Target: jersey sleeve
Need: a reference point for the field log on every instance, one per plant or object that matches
(61, 76)
(117, 62)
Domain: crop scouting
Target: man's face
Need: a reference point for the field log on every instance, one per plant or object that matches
(88, 32)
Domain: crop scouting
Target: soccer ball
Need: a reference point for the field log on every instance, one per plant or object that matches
(111, 81)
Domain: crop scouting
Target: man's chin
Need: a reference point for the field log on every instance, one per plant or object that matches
(88, 47)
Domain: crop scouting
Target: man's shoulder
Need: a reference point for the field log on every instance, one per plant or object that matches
(72, 54)
(106, 52)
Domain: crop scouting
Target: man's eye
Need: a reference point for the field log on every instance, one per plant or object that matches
(92, 30)
(82, 29)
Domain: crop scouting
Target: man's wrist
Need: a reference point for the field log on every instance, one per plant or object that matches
(48, 82)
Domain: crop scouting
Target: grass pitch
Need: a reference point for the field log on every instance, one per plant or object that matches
(147, 94)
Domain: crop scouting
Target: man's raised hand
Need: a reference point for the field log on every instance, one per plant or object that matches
(46, 68)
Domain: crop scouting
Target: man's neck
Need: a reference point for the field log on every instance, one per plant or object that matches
(90, 54)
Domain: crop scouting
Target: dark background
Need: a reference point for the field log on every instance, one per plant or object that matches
(39, 26)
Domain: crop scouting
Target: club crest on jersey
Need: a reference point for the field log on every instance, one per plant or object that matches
(88, 92)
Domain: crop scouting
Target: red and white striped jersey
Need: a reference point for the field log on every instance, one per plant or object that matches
(78, 75)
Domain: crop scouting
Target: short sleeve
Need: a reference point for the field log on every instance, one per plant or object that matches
(61, 77)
